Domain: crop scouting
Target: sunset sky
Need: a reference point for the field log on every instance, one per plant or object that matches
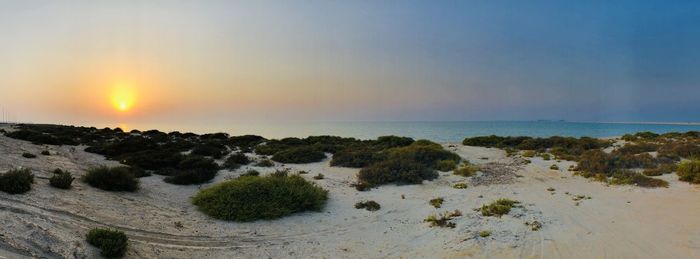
(85, 62)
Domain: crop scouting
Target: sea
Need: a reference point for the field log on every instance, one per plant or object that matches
(445, 132)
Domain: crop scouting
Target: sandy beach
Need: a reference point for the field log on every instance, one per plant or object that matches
(161, 222)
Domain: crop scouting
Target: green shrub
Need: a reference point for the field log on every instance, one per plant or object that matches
(112, 243)
(299, 155)
(319, 176)
(498, 208)
(437, 202)
(400, 171)
(446, 165)
(28, 155)
(460, 186)
(193, 170)
(468, 170)
(251, 198)
(112, 179)
(265, 163)
(634, 178)
(211, 149)
(61, 179)
(45, 153)
(443, 219)
(368, 205)
(660, 170)
(484, 233)
(545, 156)
(251, 173)
(236, 160)
(529, 153)
(16, 181)
(356, 157)
(554, 167)
(689, 171)
(423, 152)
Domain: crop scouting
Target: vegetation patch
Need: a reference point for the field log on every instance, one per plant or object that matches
(45, 153)
(192, 170)
(368, 205)
(446, 165)
(660, 170)
(634, 178)
(689, 171)
(460, 186)
(443, 219)
(399, 171)
(236, 160)
(28, 155)
(265, 163)
(252, 198)
(437, 202)
(112, 179)
(111, 242)
(484, 233)
(16, 181)
(467, 170)
(498, 208)
(299, 155)
(61, 179)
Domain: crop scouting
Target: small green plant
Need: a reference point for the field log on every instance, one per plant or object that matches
(446, 165)
(467, 170)
(534, 225)
(111, 242)
(61, 179)
(529, 153)
(16, 181)
(550, 189)
(484, 233)
(251, 173)
(236, 160)
(443, 219)
(546, 157)
(362, 186)
(265, 163)
(45, 153)
(368, 205)
(498, 208)
(460, 186)
(250, 198)
(689, 171)
(660, 170)
(28, 155)
(319, 176)
(554, 167)
(437, 202)
(112, 179)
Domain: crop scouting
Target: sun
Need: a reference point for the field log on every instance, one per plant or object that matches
(123, 97)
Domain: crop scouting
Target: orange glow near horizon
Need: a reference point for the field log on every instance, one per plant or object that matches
(123, 97)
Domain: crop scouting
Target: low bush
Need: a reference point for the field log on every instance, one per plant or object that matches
(446, 165)
(236, 160)
(424, 152)
(356, 157)
(545, 156)
(634, 178)
(484, 233)
(689, 171)
(633, 149)
(554, 167)
(16, 181)
(45, 153)
(437, 202)
(111, 242)
(251, 173)
(368, 205)
(319, 176)
(460, 186)
(61, 179)
(443, 219)
(28, 155)
(210, 149)
(529, 153)
(400, 171)
(252, 198)
(498, 208)
(192, 170)
(660, 170)
(265, 163)
(112, 179)
(467, 170)
(299, 155)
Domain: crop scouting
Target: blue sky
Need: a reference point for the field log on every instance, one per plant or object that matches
(204, 61)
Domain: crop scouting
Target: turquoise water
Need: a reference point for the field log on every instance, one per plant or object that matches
(436, 131)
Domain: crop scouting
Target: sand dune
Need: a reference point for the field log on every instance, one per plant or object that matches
(616, 222)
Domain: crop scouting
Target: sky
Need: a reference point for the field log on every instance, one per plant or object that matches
(96, 62)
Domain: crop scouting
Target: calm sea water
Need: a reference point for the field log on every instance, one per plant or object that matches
(436, 131)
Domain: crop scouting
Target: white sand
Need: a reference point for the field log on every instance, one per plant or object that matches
(617, 222)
